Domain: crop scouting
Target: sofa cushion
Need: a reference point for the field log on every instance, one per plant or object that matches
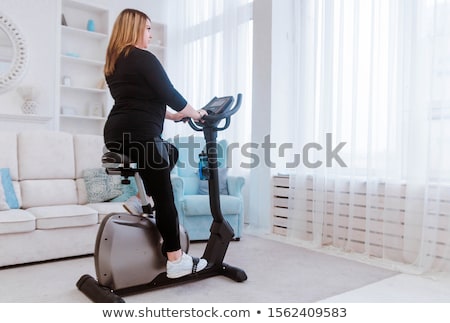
(191, 185)
(16, 185)
(48, 192)
(81, 190)
(16, 221)
(3, 204)
(63, 216)
(107, 208)
(88, 152)
(45, 155)
(8, 189)
(199, 205)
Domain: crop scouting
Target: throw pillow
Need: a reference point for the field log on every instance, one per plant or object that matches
(223, 188)
(8, 188)
(3, 205)
(100, 186)
(128, 190)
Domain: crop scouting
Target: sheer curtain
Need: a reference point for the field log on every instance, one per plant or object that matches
(373, 80)
(211, 55)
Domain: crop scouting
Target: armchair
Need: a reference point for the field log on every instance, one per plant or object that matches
(191, 193)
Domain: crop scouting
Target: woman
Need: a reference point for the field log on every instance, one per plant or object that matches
(141, 91)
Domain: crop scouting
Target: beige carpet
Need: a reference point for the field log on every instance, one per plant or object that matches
(277, 272)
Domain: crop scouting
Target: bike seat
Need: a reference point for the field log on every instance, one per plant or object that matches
(112, 159)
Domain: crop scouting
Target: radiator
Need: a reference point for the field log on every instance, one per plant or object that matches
(375, 223)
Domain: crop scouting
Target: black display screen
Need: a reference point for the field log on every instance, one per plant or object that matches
(219, 105)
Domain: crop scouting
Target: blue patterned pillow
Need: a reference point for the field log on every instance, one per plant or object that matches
(127, 190)
(8, 188)
(100, 186)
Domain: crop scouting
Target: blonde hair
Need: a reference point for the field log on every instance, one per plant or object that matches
(128, 29)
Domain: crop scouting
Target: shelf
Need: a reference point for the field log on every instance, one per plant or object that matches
(84, 33)
(84, 89)
(84, 6)
(77, 14)
(91, 118)
(25, 117)
(80, 60)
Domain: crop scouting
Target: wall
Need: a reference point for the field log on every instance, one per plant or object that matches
(259, 179)
(38, 21)
(157, 10)
(272, 86)
(282, 83)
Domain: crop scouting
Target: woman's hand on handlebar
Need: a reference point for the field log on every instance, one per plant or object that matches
(201, 114)
(189, 112)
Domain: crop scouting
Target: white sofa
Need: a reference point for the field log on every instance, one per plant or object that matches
(55, 219)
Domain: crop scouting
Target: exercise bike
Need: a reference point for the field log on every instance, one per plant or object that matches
(128, 256)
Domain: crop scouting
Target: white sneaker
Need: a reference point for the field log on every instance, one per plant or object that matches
(184, 266)
(133, 206)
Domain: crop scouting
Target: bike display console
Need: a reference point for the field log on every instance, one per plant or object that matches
(219, 105)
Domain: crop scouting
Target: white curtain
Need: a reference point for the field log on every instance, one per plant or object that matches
(211, 55)
(373, 120)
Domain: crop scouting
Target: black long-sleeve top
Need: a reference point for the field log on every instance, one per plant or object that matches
(141, 91)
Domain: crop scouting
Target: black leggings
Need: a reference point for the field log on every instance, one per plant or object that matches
(155, 172)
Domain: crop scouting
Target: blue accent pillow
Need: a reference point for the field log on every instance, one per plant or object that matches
(8, 188)
(203, 188)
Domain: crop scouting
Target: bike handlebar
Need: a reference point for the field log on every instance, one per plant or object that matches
(212, 120)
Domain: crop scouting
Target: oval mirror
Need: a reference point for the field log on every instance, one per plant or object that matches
(13, 54)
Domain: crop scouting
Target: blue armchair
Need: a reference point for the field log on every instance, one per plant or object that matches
(191, 193)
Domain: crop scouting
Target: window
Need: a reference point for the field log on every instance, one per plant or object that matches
(214, 42)
(377, 75)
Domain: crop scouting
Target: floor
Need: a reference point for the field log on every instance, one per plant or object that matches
(399, 288)
(290, 274)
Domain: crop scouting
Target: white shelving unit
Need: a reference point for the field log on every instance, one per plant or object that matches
(158, 43)
(84, 98)
(33, 118)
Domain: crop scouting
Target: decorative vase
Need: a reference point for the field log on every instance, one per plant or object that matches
(29, 95)
(29, 107)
